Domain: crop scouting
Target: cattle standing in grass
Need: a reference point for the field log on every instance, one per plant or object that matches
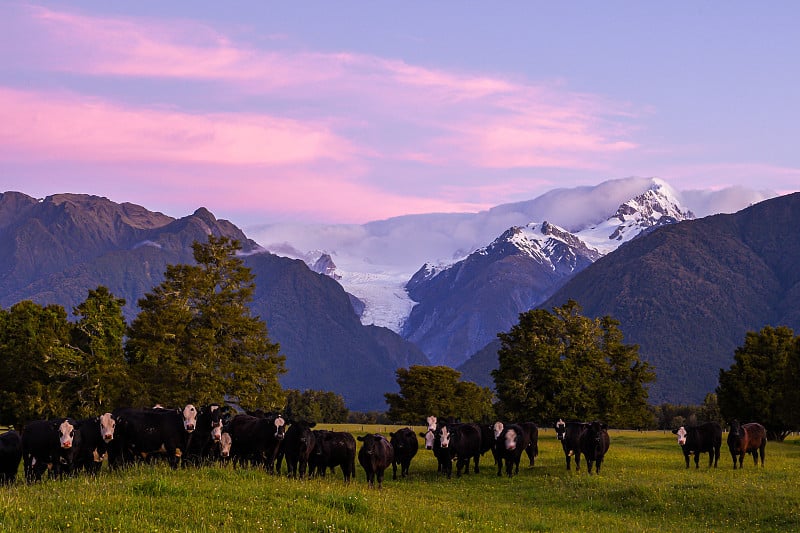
(532, 432)
(49, 445)
(332, 449)
(747, 438)
(569, 433)
(142, 434)
(705, 438)
(430, 434)
(511, 442)
(405, 445)
(594, 444)
(375, 456)
(205, 437)
(463, 445)
(297, 446)
(256, 440)
(96, 435)
(10, 456)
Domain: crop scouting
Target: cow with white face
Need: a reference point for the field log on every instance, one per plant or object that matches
(430, 434)
(511, 442)
(189, 418)
(97, 434)
(681, 434)
(225, 443)
(49, 445)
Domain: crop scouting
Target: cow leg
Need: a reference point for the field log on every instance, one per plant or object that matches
(499, 467)
(394, 470)
(379, 475)
(477, 461)
(568, 462)
(697, 460)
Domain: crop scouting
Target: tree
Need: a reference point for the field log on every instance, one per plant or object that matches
(436, 390)
(101, 382)
(36, 361)
(195, 340)
(761, 384)
(315, 406)
(561, 364)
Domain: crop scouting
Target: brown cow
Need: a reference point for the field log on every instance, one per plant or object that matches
(747, 438)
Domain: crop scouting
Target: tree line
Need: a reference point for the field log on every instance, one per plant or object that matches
(195, 340)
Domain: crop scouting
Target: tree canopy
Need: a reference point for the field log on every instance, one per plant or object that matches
(195, 339)
(761, 385)
(436, 390)
(561, 364)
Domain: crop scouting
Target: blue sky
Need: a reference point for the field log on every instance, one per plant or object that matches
(356, 111)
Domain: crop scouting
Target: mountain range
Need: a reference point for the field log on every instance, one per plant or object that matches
(326, 293)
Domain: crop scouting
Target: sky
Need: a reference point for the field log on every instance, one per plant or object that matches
(347, 112)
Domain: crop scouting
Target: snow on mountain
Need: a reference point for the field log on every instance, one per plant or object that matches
(374, 261)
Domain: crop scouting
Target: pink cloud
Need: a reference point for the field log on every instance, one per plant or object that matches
(67, 126)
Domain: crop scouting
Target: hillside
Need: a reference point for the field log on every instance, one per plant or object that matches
(687, 293)
(54, 250)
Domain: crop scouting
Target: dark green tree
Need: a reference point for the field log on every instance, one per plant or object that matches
(760, 385)
(36, 361)
(316, 406)
(195, 339)
(561, 364)
(436, 390)
(101, 382)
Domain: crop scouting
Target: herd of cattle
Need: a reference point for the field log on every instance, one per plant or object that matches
(192, 436)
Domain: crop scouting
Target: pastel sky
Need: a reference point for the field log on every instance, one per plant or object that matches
(345, 112)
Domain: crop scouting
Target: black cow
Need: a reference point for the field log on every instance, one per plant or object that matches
(49, 445)
(532, 432)
(460, 443)
(747, 438)
(332, 449)
(203, 441)
(375, 456)
(511, 442)
(96, 435)
(405, 445)
(297, 446)
(569, 433)
(255, 440)
(594, 444)
(705, 438)
(143, 434)
(10, 456)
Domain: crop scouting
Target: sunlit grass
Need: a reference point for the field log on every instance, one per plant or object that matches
(643, 486)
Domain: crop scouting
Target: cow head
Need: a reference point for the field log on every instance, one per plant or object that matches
(561, 429)
(510, 442)
(189, 418)
(429, 438)
(681, 434)
(107, 425)
(66, 434)
(498, 429)
(280, 427)
(216, 422)
(225, 443)
(372, 443)
(444, 437)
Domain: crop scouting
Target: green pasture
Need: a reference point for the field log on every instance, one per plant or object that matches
(643, 486)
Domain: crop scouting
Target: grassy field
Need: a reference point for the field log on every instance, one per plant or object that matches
(643, 486)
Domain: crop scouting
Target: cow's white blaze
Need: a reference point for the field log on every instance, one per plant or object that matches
(107, 425)
(189, 418)
(431, 423)
(225, 443)
(66, 432)
(511, 440)
(444, 437)
(498, 429)
(561, 429)
(429, 438)
(681, 435)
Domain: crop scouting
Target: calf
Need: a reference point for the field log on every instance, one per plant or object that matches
(405, 445)
(569, 433)
(532, 433)
(747, 438)
(297, 447)
(705, 438)
(256, 439)
(10, 456)
(511, 442)
(375, 456)
(49, 445)
(594, 444)
(332, 449)
(96, 435)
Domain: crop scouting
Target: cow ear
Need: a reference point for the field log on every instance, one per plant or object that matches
(421, 434)
(360, 438)
(312, 424)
